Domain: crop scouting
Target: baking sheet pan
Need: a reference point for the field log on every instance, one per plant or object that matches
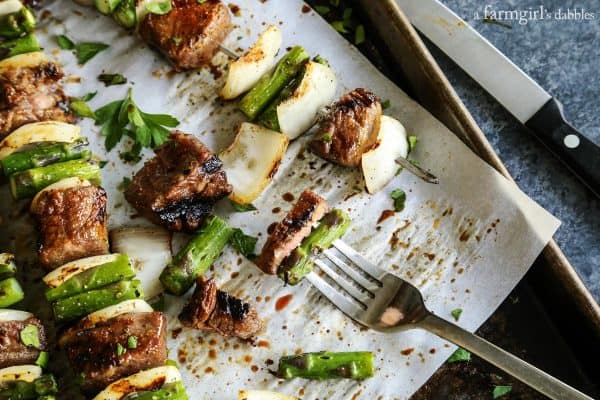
(338, 391)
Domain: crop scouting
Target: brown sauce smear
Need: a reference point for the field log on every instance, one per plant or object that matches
(235, 9)
(464, 236)
(385, 215)
(407, 352)
(288, 197)
(283, 302)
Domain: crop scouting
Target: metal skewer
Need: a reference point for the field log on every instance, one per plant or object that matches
(228, 52)
(417, 171)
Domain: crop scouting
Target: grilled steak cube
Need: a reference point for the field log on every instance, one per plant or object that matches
(178, 187)
(107, 351)
(349, 130)
(211, 309)
(289, 233)
(12, 349)
(32, 94)
(190, 34)
(71, 223)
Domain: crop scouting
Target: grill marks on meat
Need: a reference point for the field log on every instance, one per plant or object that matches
(72, 224)
(190, 34)
(32, 94)
(12, 349)
(289, 233)
(178, 187)
(350, 129)
(211, 309)
(92, 349)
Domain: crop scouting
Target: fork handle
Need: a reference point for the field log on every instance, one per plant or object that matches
(525, 372)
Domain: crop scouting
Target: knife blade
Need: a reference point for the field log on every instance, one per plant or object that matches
(514, 89)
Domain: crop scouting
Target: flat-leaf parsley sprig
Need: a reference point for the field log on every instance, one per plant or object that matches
(123, 118)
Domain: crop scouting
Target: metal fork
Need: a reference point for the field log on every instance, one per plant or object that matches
(386, 303)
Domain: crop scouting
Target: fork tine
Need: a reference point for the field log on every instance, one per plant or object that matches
(359, 260)
(352, 290)
(349, 307)
(351, 272)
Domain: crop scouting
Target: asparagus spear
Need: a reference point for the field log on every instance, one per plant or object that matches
(81, 304)
(27, 183)
(41, 388)
(93, 278)
(170, 391)
(8, 268)
(16, 24)
(327, 365)
(10, 292)
(298, 264)
(195, 258)
(125, 14)
(14, 47)
(269, 118)
(269, 86)
(44, 153)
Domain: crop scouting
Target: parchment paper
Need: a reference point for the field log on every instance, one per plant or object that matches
(465, 242)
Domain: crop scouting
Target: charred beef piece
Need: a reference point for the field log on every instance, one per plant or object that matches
(72, 225)
(32, 94)
(12, 349)
(102, 352)
(211, 309)
(288, 233)
(179, 186)
(190, 34)
(349, 130)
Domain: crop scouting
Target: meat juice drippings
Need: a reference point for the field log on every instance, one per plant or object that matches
(283, 302)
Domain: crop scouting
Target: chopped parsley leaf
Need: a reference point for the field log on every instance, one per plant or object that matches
(412, 143)
(244, 244)
(132, 342)
(64, 42)
(242, 207)
(323, 9)
(86, 51)
(123, 118)
(120, 350)
(112, 79)
(501, 390)
(339, 26)
(399, 198)
(359, 35)
(456, 313)
(326, 138)
(460, 355)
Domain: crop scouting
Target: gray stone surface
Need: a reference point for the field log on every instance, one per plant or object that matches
(564, 57)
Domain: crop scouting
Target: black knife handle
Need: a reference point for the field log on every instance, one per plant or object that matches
(576, 151)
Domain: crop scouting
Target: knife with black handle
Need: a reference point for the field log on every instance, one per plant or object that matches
(577, 152)
(513, 88)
